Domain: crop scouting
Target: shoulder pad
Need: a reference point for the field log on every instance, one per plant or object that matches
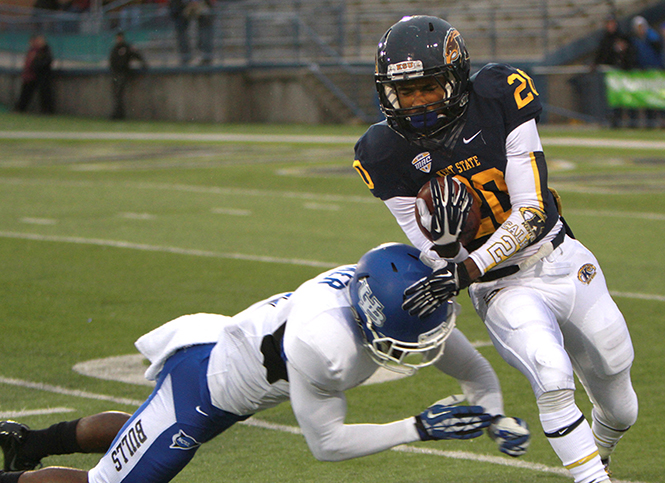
(509, 89)
(381, 157)
(491, 80)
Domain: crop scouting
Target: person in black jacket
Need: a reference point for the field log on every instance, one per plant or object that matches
(201, 11)
(615, 48)
(37, 76)
(616, 51)
(120, 61)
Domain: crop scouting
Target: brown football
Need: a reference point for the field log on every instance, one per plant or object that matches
(472, 222)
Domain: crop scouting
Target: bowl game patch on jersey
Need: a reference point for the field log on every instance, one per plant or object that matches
(423, 162)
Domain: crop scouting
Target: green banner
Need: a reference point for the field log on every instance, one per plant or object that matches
(636, 89)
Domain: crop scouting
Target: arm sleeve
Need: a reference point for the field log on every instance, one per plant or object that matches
(526, 180)
(321, 414)
(474, 373)
(403, 209)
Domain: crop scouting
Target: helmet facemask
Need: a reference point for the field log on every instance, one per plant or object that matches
(407, 357)
(426, 121)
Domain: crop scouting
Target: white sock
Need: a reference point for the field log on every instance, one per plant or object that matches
(606, 437)
(571, 438)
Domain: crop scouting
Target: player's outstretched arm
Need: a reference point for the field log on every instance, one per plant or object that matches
(321, 415)
(427, 294)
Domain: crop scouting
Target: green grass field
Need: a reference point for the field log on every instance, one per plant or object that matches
(103, 238)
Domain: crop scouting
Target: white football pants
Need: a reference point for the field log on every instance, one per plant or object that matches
(558, 317)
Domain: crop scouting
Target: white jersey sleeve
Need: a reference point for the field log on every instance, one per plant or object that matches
(403, 209)
(325, 357)
(321, 414)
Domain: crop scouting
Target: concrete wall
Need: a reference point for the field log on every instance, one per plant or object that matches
(243, 95)
(261, 95)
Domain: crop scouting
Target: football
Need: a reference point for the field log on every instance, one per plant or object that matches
(472, 222)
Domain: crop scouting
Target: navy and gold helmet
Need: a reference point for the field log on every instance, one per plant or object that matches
(423, 47)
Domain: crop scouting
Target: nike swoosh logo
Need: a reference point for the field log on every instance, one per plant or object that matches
(467, 141)
(200, 411)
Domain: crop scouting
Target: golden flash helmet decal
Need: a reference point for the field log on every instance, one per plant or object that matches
(452, 48)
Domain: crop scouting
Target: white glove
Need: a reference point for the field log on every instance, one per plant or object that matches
(511, 434)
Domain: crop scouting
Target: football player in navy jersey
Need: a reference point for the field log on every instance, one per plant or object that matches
(540, 292)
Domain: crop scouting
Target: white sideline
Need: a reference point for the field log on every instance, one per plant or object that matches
(461, 455)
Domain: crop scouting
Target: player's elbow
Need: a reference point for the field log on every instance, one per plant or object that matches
(327, 449)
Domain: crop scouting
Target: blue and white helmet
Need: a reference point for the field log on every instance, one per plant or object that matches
(396, 340)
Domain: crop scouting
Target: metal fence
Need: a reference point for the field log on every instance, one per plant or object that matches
(250, 32)
(335, 40)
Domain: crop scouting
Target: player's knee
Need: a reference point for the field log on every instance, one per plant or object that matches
(554, 401)
(622, 414)
(553, 368)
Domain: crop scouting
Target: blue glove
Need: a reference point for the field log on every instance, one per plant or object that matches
(511, 434)
(427, 294)
(443, 421)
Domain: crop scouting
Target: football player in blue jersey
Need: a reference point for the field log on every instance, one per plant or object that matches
(308, 347)
(540, 292)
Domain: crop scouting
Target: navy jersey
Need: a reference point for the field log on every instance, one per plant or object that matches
(501, 98)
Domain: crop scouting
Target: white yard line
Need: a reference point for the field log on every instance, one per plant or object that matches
(223, 255)
(212, 190)
(236, 138)
(166, 249)
(296, 139)
(33, 412)
(40, 386)
(619, 214)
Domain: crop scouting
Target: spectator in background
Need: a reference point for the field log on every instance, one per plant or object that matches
(647, 43)
(184, 11)
(648, 47)
(120, 61)
(615, 50)
(37, 76)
